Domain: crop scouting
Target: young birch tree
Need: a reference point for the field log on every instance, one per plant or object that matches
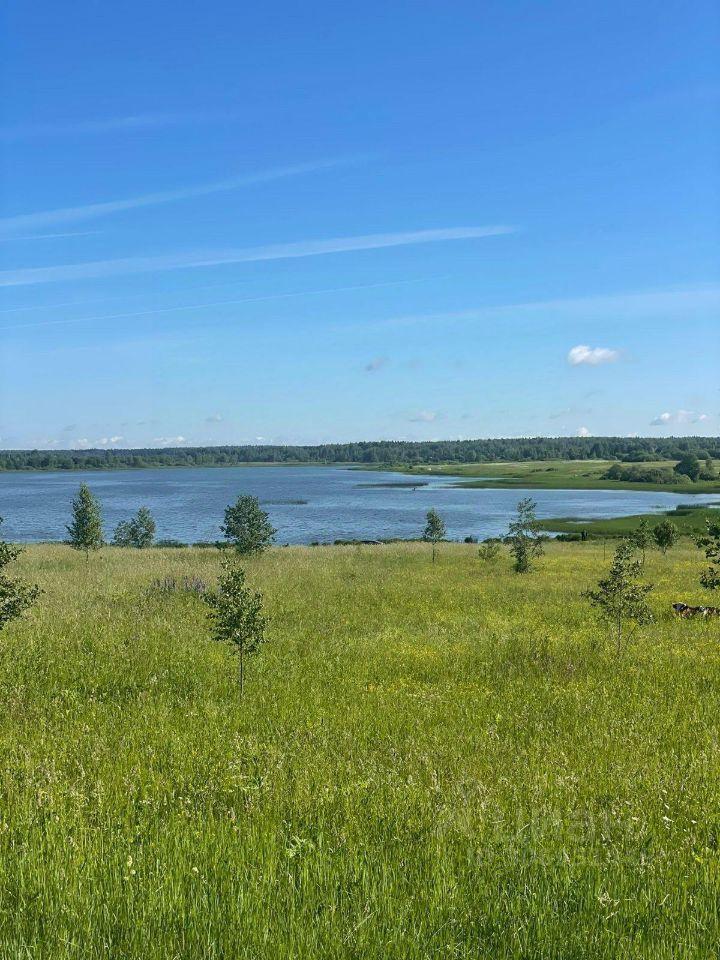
(85, 531)
(434, 530)
(525, 537)
(665, 534)
(620, 596)
(640, 538)
(247, 527)
(236, 615)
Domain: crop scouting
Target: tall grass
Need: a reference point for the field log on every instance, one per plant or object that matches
(430, 760)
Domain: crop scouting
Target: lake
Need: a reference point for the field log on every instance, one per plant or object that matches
(304, 503)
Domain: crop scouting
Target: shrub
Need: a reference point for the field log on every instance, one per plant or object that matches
(639, 474)
(489, 550)
(688, 466)
(15, 595)
(710, 543)
(138, 532)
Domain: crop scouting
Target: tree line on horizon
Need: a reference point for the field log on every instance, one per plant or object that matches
(397, 452)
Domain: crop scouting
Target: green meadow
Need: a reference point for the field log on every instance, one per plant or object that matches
(430, 760)
(553, 475)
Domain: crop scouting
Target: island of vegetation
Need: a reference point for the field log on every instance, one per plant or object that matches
(686, 474)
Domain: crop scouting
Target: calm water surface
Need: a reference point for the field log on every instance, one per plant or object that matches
(188, 503)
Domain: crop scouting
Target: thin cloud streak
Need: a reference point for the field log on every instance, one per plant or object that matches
(51, 236)
(46, 218)
(211, 258)
(213, 303)
(140, 121)
(622, 307)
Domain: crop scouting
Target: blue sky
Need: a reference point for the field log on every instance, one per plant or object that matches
(226, 222)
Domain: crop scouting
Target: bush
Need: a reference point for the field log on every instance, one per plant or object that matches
(489, 550)
(15, 596)
(710, 544)
(638, 474)
(688, 466)
(138, 532)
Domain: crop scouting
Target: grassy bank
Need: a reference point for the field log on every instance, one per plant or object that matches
(689, 520)
(553, 475)
(431, 760)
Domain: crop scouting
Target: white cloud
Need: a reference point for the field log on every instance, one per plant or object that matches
(168, 441)
(680, 416)
(583, 432)
(591, 355)
(661, 419)
(45, 218)
(116, 439)
(83, 442)
(211, 258)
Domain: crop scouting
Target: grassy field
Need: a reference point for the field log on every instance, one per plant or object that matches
(430, 760)
(690, 521)
(553, 475)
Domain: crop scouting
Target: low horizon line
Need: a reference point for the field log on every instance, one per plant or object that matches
(343, 443)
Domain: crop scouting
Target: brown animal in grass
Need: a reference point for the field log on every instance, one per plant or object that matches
(683, 610)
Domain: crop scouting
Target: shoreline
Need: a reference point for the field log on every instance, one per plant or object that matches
(545, 475)
(517, 474)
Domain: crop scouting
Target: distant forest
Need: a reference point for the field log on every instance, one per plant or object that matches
(398, 452)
